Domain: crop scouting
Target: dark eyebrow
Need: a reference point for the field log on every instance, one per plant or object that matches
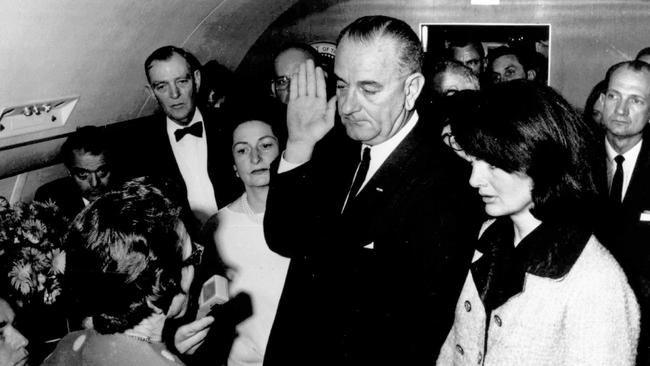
(240, 143)
(267, 136)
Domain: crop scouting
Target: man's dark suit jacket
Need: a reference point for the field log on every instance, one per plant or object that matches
(153, 156)
(65, 193)
(377, 284)
(628, 237)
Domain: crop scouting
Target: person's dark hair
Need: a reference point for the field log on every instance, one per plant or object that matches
(122, 250)
(369, 28)
(165, 53)
(526, 127)
(598, 89)
(634, 65)
(522, 56)
(90, 139)
(215, 78)
(263, 108)
(463, 42)
(643, 52)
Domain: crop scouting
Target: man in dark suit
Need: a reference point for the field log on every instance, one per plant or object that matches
(186, 144)
(87, 156)
(379, 248)
(626, 226)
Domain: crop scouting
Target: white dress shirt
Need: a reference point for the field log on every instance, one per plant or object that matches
(191, 154)
(630, 156)
(378, 153)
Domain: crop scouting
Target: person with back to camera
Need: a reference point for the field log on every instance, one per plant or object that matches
(541, 289)
(239, 237)
(130, 263)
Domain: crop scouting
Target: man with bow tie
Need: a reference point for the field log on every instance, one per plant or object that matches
(190, 146)
(190, 149)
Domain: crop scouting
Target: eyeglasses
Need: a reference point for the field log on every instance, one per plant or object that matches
(281, 82)
(451, 141)
(195, 258)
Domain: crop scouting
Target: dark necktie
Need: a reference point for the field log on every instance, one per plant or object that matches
(361, 174)
(196, 129)
(616, 191)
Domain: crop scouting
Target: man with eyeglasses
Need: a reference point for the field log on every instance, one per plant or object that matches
(87, 156)
(286, 63)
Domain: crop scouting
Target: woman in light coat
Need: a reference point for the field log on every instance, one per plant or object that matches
(541, 289)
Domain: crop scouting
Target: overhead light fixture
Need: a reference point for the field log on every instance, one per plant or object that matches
(36, 116)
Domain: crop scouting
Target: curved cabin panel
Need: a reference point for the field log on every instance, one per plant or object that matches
(95, 50)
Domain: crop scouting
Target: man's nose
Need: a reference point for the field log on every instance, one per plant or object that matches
(14, 338)
(622, 107)
(92, 179)
(174, 92)
(349, 102)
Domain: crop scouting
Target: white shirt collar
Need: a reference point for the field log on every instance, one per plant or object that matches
(380, 152)
(173, 126)
(630, 156)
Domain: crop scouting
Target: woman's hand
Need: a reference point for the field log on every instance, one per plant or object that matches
(190, 337)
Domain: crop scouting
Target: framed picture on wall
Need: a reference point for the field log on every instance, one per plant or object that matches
(502, 47)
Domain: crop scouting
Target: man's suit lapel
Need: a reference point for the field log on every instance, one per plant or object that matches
(167, 161)
(382, 190)
(640, 176)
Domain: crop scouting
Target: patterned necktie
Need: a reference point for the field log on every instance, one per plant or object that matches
(616, 191)
(196, 129)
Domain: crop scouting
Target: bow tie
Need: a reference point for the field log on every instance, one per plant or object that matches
(195, 129)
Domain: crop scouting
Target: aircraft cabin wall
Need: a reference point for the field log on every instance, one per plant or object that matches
(95, 50)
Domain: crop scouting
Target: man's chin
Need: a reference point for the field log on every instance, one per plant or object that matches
(360, 132)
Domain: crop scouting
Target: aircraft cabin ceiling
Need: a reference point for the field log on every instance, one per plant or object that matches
(95, 49)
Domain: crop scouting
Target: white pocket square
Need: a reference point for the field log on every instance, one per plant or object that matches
(645, 216)
(370, 246)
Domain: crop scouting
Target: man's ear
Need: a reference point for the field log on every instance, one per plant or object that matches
(149, 91)
(197, 80)
(273, 94)
(531, 74)
(412, 88)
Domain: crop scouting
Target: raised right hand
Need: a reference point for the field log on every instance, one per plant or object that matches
(309, 114)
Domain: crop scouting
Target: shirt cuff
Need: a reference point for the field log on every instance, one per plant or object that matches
(286, 166)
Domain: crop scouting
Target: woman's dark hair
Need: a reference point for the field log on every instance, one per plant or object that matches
(240, 109)
(526, 127)
(588, 113)
(122, 250)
